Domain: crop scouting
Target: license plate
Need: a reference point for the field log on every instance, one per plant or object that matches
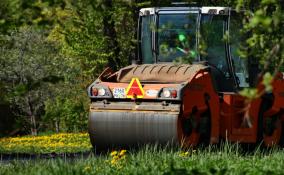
(118, 92)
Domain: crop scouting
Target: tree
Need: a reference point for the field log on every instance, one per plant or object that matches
(28, 65)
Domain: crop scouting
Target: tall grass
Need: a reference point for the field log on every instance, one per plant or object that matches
(223, 159)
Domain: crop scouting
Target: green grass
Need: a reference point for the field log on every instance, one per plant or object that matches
(226, 159)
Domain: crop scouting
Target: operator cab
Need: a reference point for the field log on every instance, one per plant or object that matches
(195, 34)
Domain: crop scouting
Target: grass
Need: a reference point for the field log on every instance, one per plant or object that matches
(224, 159)
(44, 144)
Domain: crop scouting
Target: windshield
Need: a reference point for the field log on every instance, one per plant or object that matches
(146, 41)
(213, 42)
(236, 39)
(177, 37)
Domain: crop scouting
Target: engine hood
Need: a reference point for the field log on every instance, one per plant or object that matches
(160, 73)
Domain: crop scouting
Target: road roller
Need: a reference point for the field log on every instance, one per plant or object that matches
(183, 88)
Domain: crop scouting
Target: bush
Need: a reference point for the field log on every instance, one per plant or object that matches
(66, 114)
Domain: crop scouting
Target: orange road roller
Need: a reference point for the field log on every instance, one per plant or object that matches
(175, 93)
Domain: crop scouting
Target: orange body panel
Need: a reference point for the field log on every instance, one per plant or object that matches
(200, 97)
(233, 118)
(233, 110)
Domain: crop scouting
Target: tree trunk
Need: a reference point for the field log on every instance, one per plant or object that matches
(32, 118)
(33, 125)
(57, 125)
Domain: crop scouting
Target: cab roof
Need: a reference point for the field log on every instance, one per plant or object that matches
(203, 10)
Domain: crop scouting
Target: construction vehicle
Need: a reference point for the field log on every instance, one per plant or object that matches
(158, 100)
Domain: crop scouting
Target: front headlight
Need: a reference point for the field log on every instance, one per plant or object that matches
(167, 93)
(101, 92)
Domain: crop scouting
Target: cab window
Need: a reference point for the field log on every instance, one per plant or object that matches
(212, 32)
(236, 38)
(146, 39)
(177, 36)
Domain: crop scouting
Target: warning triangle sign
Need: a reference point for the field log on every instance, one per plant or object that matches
(134, 89)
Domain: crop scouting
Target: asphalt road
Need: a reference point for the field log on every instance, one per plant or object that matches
(6, 158)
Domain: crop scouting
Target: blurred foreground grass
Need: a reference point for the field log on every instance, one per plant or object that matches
(224, 159)
(55, 143)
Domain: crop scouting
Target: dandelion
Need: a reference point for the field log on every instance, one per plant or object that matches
(118, 157)
(113, 153)
(113, 161)
(74, 142)
(184, 154)
(87, 168)
(122, 152)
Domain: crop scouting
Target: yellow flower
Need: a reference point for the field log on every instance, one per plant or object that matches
(122, 152)
(184, 154)
(113, 153)
(115, 158)
(45, 144)
(113, 161)
(87, 168)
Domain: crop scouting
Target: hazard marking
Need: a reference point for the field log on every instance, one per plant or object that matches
(134, 89)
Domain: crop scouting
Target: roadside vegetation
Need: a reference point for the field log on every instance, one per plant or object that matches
(226, 159)
(45, 144)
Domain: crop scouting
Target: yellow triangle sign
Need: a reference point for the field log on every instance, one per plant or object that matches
(134, 89)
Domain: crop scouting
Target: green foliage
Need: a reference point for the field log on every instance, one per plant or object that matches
(80, 37)
(253, 93)
(267, 82)
(34, 63)
(66, 114)
(18, 13)
(250, 93)
(152, 160)
(84, 34)
(266, 42)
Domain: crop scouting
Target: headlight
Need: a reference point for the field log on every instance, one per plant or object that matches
(167, 93)
(101, 92)
(98, 91)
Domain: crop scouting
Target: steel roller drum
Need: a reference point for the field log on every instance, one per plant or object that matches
(128, 128)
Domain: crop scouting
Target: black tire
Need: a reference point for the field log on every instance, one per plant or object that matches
(262, 128)
(281, 142)
(205, 129)
(266, 103)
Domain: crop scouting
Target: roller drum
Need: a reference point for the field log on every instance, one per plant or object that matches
(128, 128)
